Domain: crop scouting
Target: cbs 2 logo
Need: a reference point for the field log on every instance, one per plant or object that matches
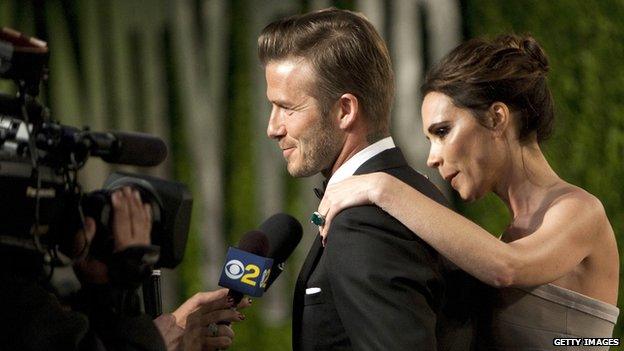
(235, 269)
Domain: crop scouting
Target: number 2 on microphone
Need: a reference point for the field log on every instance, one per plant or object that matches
(253, 272)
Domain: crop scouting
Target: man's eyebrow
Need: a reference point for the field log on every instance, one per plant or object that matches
(288, 104)
(281, 103)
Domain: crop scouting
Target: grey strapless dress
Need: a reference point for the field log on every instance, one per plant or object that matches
(529, 319)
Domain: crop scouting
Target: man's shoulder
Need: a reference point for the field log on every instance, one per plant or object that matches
(369, 233)
(418, 181)
(367, 222)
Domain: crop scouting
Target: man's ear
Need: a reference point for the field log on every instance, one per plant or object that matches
(348, 109)
(499, 117)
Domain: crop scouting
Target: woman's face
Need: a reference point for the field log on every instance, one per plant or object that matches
(467, 154)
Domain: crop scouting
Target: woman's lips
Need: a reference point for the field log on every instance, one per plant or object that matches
(452, 179)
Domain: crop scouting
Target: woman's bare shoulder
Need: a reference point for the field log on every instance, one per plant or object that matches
(574, 202)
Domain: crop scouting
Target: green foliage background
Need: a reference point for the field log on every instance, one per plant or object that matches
(584, 41)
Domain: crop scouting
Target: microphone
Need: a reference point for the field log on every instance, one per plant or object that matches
(284, 233)
(247, 268)
(263, 251)
(138, 149)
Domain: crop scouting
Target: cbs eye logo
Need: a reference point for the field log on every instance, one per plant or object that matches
(235, 270)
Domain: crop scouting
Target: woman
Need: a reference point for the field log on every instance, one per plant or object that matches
(486, 109)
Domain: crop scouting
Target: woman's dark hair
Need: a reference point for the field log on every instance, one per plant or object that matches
(510, 69)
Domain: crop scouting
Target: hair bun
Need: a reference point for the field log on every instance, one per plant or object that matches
(530, 50)
(531, 47)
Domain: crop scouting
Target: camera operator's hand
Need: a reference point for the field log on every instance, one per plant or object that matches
(132, 219)
(131, 226)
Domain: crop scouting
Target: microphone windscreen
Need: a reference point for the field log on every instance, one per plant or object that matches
(255, 242)
(138, 149)
(284, 233)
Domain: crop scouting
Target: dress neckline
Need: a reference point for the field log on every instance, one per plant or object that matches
(575, 300)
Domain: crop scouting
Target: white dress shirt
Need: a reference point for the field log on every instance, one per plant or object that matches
(348, 168)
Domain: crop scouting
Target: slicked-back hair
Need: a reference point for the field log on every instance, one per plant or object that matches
(346, 54)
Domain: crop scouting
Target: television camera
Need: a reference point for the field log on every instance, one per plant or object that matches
(43, 205)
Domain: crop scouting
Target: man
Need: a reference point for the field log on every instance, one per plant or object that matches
(375, 286)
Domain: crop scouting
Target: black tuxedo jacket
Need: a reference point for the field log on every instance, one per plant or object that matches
(377, 285)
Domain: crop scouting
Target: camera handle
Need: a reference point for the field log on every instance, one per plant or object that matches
(152, 297)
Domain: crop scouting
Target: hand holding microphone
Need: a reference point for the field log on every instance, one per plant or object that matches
(203, 321)
(201, 329)
(193, 325)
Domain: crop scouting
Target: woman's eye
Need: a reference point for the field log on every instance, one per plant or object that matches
(442, 131)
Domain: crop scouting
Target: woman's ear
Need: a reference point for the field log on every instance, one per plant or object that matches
(348, 106)
(499, 117)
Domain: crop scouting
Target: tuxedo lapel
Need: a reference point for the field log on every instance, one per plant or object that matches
(308, 266)
(309, 263)
(391, 158)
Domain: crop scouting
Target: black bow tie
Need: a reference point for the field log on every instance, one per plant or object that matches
(320, 192)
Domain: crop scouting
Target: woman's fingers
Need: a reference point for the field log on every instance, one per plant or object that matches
(324, 229)
(216, 343)
(207, 338)
(225, 315)
(245, 302)
(209, 301)
(222, 331)
(353, 191)
(203, 319)
(212, 300)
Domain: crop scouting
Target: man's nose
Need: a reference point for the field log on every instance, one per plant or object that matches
(276, 128)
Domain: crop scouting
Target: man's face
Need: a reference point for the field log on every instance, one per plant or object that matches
(309, 141)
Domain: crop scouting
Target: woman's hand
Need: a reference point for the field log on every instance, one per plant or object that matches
(353, 191)
(201, 315)
(209, 301)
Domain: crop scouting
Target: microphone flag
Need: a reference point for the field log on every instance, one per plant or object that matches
(245, 272)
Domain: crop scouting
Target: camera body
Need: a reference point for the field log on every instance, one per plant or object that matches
(171, 205)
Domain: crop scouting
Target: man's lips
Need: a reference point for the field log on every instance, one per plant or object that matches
(287, 151)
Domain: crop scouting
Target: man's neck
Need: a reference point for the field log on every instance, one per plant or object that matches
(357, 158)
(348, 151)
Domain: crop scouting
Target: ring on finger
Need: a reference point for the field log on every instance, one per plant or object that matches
(317, 219)
(213, 329)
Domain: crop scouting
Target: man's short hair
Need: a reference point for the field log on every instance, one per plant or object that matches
(347, 55)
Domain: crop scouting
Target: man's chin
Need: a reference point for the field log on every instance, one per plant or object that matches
(300, 172)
